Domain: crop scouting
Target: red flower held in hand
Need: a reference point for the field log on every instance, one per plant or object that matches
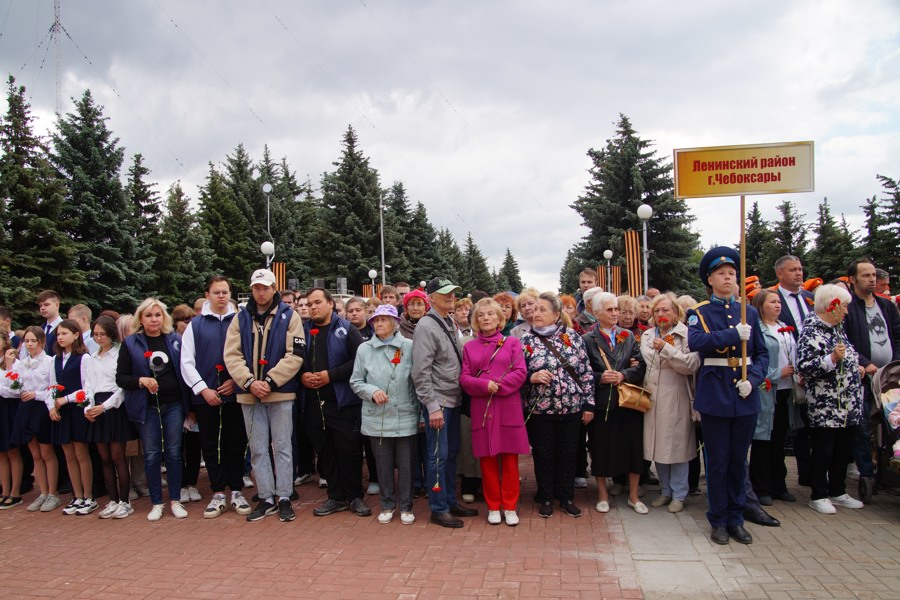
(148, 354)
(220, 368)
(263, 362)
(396, 359)
(766, 385)
(12, 375)
(314, 331)
(786, 329)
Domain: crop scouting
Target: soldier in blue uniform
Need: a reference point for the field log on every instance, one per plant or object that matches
(728, 404)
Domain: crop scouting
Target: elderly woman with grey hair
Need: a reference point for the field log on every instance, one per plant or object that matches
(830, 365)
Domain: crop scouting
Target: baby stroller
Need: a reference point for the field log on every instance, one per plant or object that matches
(886, 394)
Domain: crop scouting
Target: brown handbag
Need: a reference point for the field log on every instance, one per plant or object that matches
(630, 396)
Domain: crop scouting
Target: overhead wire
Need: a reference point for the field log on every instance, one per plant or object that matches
(5, 19)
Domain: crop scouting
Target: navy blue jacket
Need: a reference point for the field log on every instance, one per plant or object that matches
(136, 399)
(343, 340)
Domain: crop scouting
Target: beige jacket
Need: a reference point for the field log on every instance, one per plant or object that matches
(244, 374)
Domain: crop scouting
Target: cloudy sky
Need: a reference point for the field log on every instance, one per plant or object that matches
(484, 109)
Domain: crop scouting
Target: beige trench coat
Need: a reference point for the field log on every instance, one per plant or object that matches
(668, 428)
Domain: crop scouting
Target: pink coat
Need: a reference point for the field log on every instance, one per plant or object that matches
(500, 427)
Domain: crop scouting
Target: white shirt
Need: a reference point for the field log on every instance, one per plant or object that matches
(101, 377)
(34, 375)
(787, 353)
(793, 308)
(188, 351)
(92, 346)
(70, 396)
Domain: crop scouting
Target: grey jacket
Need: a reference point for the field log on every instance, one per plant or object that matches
(436, 368)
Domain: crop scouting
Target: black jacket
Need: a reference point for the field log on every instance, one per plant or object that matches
(857, 327)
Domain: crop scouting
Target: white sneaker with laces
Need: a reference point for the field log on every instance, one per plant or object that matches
(156, 512)
(185, 495)
(178, 511)
(407, 518)
(88, 506)
(512, 519)
(845, 501)
(240, 504)
(247, 481)
(215, 507)
(38, 502)
(73, 506)
(823, 505)
(194, 494)
(125, 510)
(385, 517)
(494, 517)
(111, 507)
(132, 494)
(322, 483)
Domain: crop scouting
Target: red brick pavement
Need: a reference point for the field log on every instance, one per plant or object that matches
(338, 556)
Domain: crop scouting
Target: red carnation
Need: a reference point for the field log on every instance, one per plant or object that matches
(263, 362)
(436, 487)
(566, 340)
(313, 331)
(396, 359)
(621, 337)
(766, 385)
(786, 329)
(529, 349)
(148, 354)
(220, 368)
(835, 304)
(662, 321)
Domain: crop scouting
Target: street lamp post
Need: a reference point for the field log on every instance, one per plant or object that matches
(644, 213)
(381, 219)
(372, 275)
(268, 247)
(607, 254)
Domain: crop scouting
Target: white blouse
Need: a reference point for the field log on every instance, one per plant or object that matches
(101, 377)
(34, 375)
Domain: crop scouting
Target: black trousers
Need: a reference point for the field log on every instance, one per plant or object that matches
(767, 469)
(370, 458)
(225, 459)
(831, 448)
(337, 444)
(303, 451)
(554, 444)
(802, 447)
(694, 465)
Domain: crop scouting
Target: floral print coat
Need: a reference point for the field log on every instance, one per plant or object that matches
(833, 396)
(564, 395)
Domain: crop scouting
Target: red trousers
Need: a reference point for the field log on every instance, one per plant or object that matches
(500, 493)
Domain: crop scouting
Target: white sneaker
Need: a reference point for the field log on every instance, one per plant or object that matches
(852, 471)
(178, 511)
(822, 505)
(322, 482)
(385, 517)
(493, 517)
(247, 481)
(581, 482)
(602, 506)
(215, 507)
(194, 494)
(87, 507)
(50, 503)
(125, 510)
(156, 512)
(132, 494)
(373, 488)
(73, 505)
(185, 496)
(512, 519)
(110, 510)
(240, 504)
(845, 501)
(36, 505)
(407, 518)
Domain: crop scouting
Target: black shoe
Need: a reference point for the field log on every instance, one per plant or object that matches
(740, 534)
(719, 535)
(255, 498)
(329, 507)
(285, 511)
(446, 520)
(462, 511)
(765, 500)
(546, 510)
(570, 509)
(10, 501)
(787, 497)
(262, 510)
(761, 517)
(294, 496)
(359, 507)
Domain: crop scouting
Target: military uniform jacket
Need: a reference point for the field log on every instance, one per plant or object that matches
(712, 335)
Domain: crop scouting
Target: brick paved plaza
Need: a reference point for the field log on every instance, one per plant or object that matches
(854, 554)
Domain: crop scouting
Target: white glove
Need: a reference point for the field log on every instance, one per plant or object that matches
(743, 386)
(743, 331)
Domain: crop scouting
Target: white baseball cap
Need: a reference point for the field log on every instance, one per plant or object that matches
(262, 276)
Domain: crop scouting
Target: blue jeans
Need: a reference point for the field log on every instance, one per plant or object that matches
(673, 480)
(275, 419)
(440, 466)
(152, 438)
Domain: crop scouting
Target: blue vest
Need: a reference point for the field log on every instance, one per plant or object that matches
(275, 343)
(136, 400)
(337, 355)
(69, 376)
(209, 348)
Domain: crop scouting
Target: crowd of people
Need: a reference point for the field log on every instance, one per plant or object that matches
(440, 395)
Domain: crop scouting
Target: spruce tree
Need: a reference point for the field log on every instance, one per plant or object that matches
(510, 273)
(348, 239)
(450, 261)
(422, 247)
(225, 226)
(96, 213)
(572, 266)
(396, 228)
(788, 237)
(143, 200)
(35, 252)
(295, 212)
(501, 283)
(757, 237)
(828, 258)
(475, 274)
(182, 254)
(625, 174)
(888, 256)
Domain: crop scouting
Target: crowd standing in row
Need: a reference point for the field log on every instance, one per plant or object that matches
(445, 390)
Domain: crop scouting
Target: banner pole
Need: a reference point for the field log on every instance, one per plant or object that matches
(743, 277)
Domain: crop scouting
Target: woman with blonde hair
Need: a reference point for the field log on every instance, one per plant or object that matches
(156, 398)
(526, 303)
